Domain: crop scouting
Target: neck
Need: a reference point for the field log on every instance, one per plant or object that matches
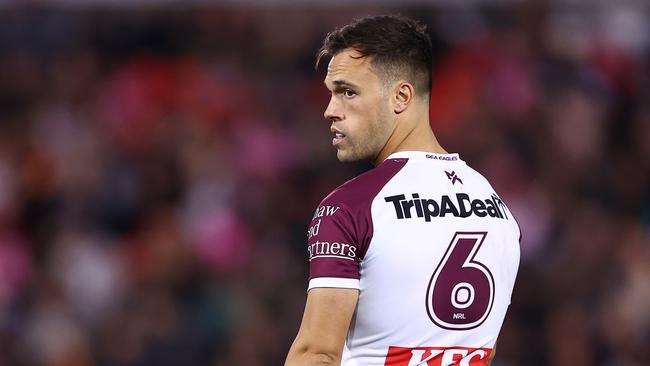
(411, 134)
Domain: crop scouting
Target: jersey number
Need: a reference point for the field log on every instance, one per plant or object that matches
(461, 290)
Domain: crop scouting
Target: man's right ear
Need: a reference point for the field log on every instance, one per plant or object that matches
(403, 96)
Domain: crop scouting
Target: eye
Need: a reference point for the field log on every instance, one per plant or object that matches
(349, 93)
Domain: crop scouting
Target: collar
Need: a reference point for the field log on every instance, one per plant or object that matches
(424, 155)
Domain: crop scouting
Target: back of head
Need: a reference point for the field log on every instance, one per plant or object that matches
(399, 48)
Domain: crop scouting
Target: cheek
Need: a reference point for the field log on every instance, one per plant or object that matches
(364, 111)
(381, 118)
(366, 119)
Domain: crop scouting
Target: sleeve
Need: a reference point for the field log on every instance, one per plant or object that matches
(341, 230)
(333, 247)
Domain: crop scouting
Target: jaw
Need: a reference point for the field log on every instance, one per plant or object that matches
(345, 154)
(385, 149)
(348, 153)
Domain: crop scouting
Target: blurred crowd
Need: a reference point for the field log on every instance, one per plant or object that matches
(159, 167)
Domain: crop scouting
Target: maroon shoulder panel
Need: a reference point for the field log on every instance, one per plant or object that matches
(341, 228)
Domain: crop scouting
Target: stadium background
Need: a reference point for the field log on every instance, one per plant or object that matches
(159, 164)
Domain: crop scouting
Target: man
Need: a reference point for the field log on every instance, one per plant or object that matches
(413, 262)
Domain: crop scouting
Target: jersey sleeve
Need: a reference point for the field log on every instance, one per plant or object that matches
(333, 247)
(341, 229)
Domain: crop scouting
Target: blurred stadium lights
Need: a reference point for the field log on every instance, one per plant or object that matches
(135, 3)
(637, 4)
(271, 2)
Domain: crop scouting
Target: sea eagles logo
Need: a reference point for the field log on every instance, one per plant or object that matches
(460, 205)
(453, 177)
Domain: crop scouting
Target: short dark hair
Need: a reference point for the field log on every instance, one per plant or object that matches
(399, 47)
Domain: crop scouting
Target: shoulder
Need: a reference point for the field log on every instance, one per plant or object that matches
(343, 222)
(361, 190)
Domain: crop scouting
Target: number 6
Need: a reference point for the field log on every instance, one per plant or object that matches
(461, 290)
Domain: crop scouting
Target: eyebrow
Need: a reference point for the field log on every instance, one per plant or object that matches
(344, 83)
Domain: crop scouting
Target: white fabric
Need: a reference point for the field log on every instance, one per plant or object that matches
(402, 257)
(333, 282)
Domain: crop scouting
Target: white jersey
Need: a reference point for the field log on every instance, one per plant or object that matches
(432, 249)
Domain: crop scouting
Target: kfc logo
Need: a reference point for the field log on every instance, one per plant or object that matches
(437, 356)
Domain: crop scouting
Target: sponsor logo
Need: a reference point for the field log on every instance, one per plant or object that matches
(437, 356)
(313, 230)
(460, 205)
(325, 249)
(325, 211)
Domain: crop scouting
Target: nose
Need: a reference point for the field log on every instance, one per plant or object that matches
(333, 111)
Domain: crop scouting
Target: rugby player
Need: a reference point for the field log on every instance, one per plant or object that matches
(413, 262)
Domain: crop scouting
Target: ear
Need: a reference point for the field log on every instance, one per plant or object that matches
(403, 96)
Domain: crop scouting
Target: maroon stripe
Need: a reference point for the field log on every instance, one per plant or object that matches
(352, 224)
